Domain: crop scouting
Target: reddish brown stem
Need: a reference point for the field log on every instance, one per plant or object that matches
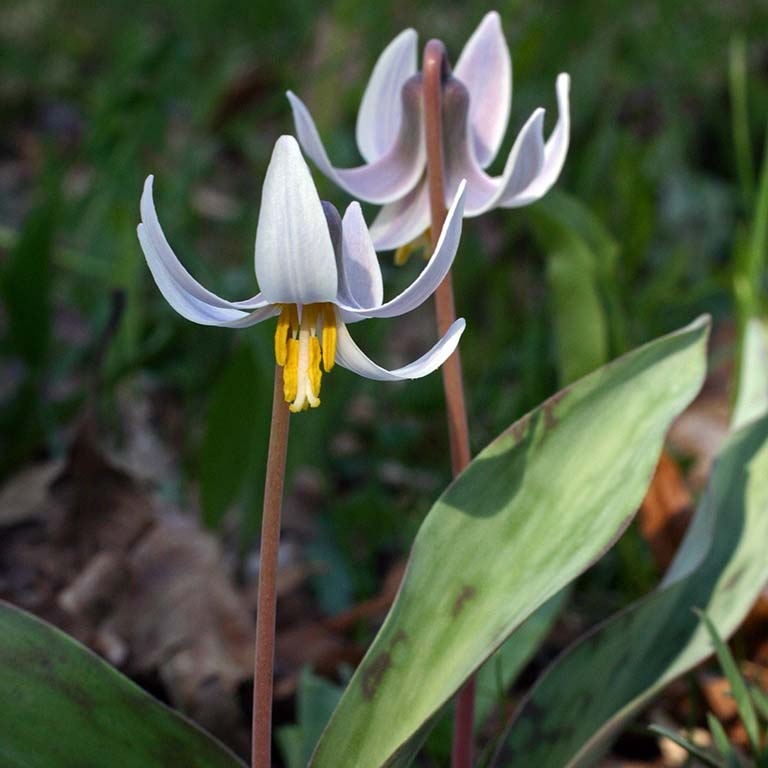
(261, 732)
(435, 70)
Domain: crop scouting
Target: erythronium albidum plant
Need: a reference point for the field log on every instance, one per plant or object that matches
(476, 108)
(317, 273)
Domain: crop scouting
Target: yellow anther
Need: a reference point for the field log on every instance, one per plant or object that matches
(402, 254)
(421, 243)
(329, 337)
(281, 335)
(300, 351)
(291, 371)
(315, 374)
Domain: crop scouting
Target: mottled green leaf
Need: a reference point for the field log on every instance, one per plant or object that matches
(500, 671)
(590, 692)
(531, 512)
(61, 706)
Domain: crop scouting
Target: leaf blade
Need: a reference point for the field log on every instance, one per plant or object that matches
(502, 517)
(62, 706)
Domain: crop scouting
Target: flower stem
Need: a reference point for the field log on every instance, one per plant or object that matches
(434, 69)
(261, 733)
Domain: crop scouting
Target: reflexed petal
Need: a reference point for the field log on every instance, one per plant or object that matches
(362, 275)
(432, 274)
(554, 152)
(350, 356)
(403, 221)
(189, 305)
(159, 253)
(294, 255)
(381, 108)
(532, 166)
(485, 67)
(391, 176)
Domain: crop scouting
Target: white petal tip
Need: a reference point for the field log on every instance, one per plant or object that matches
(287, 142)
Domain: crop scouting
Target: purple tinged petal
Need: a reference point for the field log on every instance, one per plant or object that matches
(555, 152)
(350, 356)
(485, 67)
(362, 275)
(392, 175)
(531, 169)
(403, 221)
(187, 303)
(294, 257)
(432, 274)
(381, 109)
(159, 253)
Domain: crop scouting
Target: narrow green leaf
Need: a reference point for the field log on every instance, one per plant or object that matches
(688, 746)
(229, 448)
(533, 510)
(579, 255)
(722, 742)
(26, 288)
(61, 706)
(760, 697)
(580, 325)
(752, 385)
(751, 251)
(316, 700)
(739, 689)
(605, 678)
(558, 212)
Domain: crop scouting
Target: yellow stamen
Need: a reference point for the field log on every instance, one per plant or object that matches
(300, 350)
(329, 337)
(291, 371)
(315, 374)
(281, 335)
(422, 242)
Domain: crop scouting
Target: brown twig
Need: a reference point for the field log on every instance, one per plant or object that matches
(261, 738)
(434, 70)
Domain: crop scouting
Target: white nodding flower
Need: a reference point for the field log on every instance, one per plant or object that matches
(476, 105)
(317, 273)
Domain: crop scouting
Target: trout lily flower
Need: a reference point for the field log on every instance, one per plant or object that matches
(476, 106)
(317, 273)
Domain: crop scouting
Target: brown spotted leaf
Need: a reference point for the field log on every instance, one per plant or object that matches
(531, 512)
(590, 692)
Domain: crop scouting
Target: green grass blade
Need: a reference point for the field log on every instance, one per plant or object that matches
(688, 746)
(739, 689)
(722, 742)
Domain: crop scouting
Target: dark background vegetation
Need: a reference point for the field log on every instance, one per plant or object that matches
(94, 96)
